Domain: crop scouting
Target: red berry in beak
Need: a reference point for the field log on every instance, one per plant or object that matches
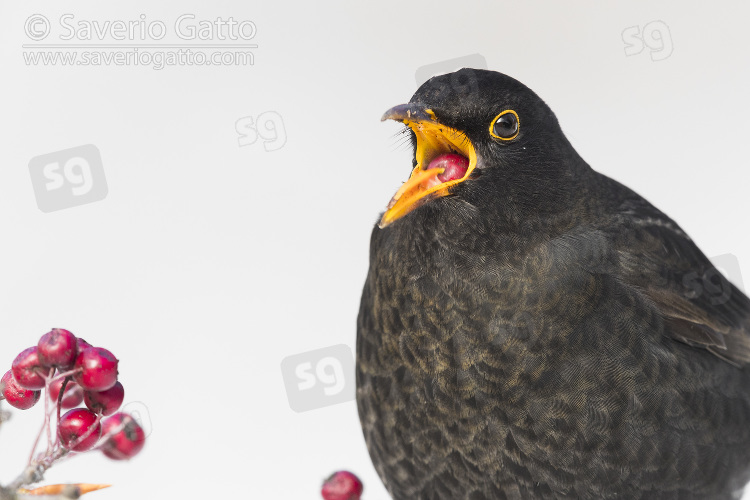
(455, 166)
(74, 425)
(96, 369)
(125, 443)
(17, 396)
(342, 485)
(58, 348)
(105, 402)
(28, 370)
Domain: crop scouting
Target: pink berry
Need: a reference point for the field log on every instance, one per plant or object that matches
(28, 370)
(455, 166)
(82, 344)
(342, 485)
(96, 369)
(73, 394)
(74, 425)
(105, 402)
(127, 441)
(17, 396)
(58, 348)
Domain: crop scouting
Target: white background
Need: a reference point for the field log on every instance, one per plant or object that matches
(208, 263)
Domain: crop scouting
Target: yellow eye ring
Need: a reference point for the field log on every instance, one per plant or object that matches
(517, 125)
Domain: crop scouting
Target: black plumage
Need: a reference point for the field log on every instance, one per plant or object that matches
(539, 330)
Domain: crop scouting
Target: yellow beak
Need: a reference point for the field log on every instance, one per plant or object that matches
(433, 139)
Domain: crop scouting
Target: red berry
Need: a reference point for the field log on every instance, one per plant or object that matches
(74, 425)
(28, 370)
(127, 441)
(82, 344)
(17, 396)
(73, 394)
(455, 166)
(58, 348)
(96, 369)
(105, 402)
(342, 485)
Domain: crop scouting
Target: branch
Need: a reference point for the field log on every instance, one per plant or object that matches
(31, 474)
(69, 492)
(4, 415)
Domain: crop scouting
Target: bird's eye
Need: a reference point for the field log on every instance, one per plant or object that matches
(505, 125)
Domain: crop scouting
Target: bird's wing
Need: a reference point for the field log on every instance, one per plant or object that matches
(699, 305)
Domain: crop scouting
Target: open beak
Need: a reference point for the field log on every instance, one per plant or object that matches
(433, 139)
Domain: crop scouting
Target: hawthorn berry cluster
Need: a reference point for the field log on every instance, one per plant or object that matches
(71, 371)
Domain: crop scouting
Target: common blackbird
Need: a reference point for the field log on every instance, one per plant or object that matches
(530, 328)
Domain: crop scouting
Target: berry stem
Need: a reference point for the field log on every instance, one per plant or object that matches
(68, 378)
(47, 382)
(68, 373)
(38, 437)
(46, 423)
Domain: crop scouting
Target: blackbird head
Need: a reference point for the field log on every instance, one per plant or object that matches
(483, 138)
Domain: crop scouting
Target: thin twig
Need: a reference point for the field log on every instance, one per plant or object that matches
(45, 424)
(47, 384)
(68, 378)
(66, 374)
